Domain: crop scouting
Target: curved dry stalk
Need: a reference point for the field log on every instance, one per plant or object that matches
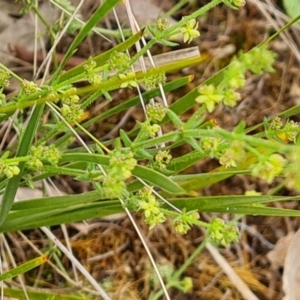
(78, 265)
(47, 61)
(14, 264)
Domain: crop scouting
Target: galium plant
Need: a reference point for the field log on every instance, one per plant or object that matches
(136, 171)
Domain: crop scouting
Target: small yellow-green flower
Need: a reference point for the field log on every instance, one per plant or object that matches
(190, 31)
(235, 3)
(155, 219)
(10, 171)
(4, 78)
(29, 87)
(181, 227)
(238, 3)
(209, 96)
(150, 207)
(223, 233)
(129, 80)
(228, 159)
(152, 130)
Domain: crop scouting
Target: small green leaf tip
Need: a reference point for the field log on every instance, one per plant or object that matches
(235, 4)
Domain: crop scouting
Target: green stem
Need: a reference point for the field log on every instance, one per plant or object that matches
(178, 273)
(201, 11)
(175, 8)
(170, 31)
(63, 171)
(190, 259)
(43, 20)
(201, 133)
(25, 104)
(175, 214)
(101, 145)
(11, 161)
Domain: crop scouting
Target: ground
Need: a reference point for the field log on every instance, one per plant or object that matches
(123, 264)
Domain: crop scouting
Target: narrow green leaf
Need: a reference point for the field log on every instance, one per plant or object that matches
(92, 22)
(205, 176)
(40, 295)
(217, 175)
(157, 179)
(29, 219)
(170, 86)
(24, 146)
(215, 203)
(125, 139)
(295, 110)
(258, 211)
(29, 265)
(48, 203)
(102, 58)
(153, 177)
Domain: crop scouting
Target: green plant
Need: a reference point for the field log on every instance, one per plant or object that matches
(136, 171)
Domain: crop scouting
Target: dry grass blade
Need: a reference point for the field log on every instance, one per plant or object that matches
(236, 280)
(76, 263)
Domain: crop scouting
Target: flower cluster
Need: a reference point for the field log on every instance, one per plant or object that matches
(287, 132)
(163, 158)
(156, 112)
(234, 77)
(211, 145)
(121, 163)
(90, 72)
(222, 233)
(184, 221)
(232, 155)
(209, 96)
(276, 123)
(71, 109)
(150, 208)
(190, 31)
(71, 113)
(119, 60)
(269, 168)
(291, 130)
(150, 130)
(4, 78)
(258, 60)
(8, 170)
(29, 87)
(291, 173)
(153, 80)
(40, 154)
(129, 80)
(161, 24)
